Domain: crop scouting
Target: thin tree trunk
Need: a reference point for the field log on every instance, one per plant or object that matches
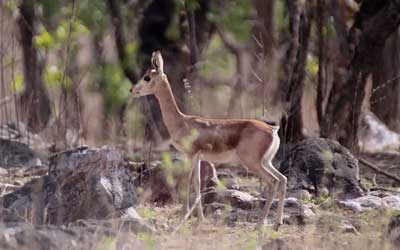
(295, 10)
(265, 25)
(265, 35)
(322, 84)
(34, 100)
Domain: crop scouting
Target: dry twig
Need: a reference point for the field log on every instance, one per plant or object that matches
(378, 170)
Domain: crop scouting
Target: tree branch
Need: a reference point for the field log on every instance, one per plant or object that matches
(378, 170)
(229, 43)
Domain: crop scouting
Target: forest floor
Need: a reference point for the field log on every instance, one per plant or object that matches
(327, 231)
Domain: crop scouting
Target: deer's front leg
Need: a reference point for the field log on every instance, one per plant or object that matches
(197, 185)
(188, 187)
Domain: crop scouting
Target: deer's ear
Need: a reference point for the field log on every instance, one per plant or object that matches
(157, 62)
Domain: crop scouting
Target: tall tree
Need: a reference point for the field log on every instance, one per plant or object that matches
(385, 98)
(153, 34)
(157, 18)
(34, 100)
(375, 22)
(294, 65)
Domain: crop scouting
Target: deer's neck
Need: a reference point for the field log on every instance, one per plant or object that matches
(172, 116)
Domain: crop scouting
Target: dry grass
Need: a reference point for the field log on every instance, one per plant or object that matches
(326, 233)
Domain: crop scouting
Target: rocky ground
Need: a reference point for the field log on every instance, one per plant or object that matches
(98, 198)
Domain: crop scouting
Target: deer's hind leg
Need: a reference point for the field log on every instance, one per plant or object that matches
(252, 157)
(267, 176)
(281, 192)
(273, 185)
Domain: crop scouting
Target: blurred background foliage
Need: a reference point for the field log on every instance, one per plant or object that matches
(236, 58)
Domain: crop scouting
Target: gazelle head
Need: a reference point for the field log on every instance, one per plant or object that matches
(153, 80)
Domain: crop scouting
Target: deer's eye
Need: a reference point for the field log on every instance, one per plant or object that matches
(147, 78)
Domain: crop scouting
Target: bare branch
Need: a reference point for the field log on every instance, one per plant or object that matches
(229, 43)
(378, 170)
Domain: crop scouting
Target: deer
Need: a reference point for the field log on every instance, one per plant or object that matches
(250, 142)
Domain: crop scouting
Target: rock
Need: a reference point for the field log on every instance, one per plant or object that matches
(348, 228)
(393, 230)
(168, 184)
(82, 183)
(301, 194)
(4, 172)
(234, 198)
(352, 205)
(375, 136)
(319, 165)
(19, 132)
(364, 203)
(295, 212)
(392, 201)
(371, 202)
(17, 154)
(96, 236)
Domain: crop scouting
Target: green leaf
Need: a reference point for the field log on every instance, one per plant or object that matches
(18, 83)
(312, 65)
(44, 40)
(53, 76)
(114, 85)
(219, 60)
(235, 18)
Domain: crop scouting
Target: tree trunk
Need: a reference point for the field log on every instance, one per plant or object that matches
(265, 33)
(385, 98)
(34, 100)
(322, 82)
(265, 26)
(152, 33)
(120, 41)
(342, 116)
(292, 123)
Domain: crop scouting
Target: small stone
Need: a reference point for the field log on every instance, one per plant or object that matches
(364, 203)
(3, 172)
(323, 191)
(18, 183)
(302, 194)
(393, 201)
(350, 229)
(353, 205)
